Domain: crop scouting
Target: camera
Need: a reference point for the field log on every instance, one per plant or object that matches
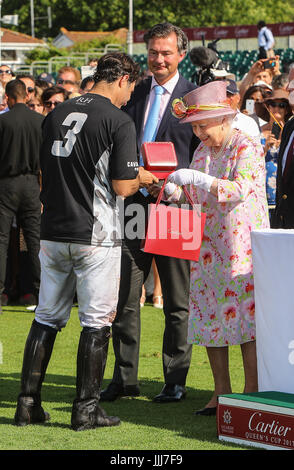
(209, 65)
(276, 130)
(268, 64)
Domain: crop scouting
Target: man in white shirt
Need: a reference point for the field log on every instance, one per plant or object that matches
(241, 121)
(266, 41)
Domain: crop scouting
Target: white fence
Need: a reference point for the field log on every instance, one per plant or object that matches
(74, 59)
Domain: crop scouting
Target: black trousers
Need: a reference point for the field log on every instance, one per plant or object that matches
(176, 353)
(262, 53)
(20, 197)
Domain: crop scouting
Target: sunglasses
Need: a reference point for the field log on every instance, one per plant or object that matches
(60, 81)
(30, 89)
(49, 104)
(274, 104)
(6, 71)
(33, 106)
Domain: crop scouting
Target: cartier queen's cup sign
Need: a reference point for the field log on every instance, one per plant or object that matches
(264, 419)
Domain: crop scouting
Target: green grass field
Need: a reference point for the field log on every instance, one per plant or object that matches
(145, 425)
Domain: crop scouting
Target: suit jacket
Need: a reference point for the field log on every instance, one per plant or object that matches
(170, 130)
(283, 216)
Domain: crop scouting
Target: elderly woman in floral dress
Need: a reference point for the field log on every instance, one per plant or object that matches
(227, 177)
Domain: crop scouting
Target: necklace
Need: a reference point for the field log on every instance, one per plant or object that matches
(217, 154)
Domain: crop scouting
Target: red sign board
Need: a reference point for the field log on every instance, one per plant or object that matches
(255, 427)
(228, 32)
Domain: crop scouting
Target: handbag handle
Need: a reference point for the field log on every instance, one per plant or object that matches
(159, 197)
(162, 189)
(187, 194)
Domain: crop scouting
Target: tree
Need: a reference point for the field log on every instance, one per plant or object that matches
(105, 15)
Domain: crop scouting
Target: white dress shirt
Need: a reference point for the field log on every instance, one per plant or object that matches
(168, 90)
(265, 38)
(246, 124)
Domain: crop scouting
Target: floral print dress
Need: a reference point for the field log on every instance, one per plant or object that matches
(221, 285)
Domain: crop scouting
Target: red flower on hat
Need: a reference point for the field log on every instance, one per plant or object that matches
(179, 109)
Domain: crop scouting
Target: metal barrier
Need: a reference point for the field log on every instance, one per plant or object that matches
(75, 59)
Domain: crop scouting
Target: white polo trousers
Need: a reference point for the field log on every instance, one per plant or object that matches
(92, 271)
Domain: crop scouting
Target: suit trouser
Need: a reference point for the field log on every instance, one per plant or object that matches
(265, 54)
(20, 196)
(262, 53)
(176, 352)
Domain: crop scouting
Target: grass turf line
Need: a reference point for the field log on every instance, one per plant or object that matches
(145, 425)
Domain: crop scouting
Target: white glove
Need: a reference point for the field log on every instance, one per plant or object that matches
(188, 176)
(169, 189)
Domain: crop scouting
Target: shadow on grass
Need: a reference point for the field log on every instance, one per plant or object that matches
(177, 417)
(141, 411)
(17, 309)
(55, 388)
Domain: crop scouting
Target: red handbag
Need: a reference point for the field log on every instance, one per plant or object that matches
(174, 231)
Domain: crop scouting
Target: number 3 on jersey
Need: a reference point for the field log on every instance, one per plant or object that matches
(61, 148)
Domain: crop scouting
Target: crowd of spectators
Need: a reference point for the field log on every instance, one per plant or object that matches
(263, 86)
(256, 111)
(43, 94)
(267, 87)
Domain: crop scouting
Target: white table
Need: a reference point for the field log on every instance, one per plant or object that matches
(273, 266)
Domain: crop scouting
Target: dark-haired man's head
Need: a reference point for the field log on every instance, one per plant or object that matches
(261, 24)
(29, 82)
(86, 84)
(166, 48)
(114, 65)
(16, 92)
(115, 77)
(163, 30)
(52, 97)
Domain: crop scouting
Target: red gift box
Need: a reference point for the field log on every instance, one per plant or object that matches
(159, 158)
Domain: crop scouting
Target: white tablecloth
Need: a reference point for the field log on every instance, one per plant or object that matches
(273, 266)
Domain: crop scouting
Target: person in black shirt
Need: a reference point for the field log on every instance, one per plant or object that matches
(88, 157)
(20, 141)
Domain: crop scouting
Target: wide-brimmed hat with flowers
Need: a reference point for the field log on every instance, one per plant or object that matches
(205, 102)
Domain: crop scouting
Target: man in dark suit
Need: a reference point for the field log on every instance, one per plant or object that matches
(167, 46)
(283, 216)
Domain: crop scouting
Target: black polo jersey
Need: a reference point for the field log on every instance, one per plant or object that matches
(87, 142)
